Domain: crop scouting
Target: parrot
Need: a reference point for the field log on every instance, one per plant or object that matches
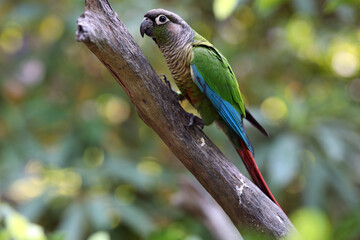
(206, 79)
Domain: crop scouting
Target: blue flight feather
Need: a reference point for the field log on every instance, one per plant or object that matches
(224, 108)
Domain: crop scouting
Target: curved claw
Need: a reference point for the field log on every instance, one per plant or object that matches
(195, 121)
(178, 95)
(167, 82)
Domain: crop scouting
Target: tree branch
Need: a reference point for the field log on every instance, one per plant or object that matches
(106, 36)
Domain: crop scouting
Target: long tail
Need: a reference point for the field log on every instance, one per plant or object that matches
(255, 123)
(254, 172)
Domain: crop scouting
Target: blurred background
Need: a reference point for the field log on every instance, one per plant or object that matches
(76, 162)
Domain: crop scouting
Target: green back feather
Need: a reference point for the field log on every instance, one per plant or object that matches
(217, 72)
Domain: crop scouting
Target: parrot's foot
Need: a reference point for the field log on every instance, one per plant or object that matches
(178, 95)
(167, 82)
(195, 121)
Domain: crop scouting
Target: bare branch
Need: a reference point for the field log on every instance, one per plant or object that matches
(250, 210)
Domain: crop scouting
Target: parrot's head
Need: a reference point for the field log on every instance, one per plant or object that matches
(165, 27)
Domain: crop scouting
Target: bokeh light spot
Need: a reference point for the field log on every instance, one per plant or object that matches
(16, 225)
(11, 39)
(25, 189)
(20, 228)
(93, 156)
(34, 167)
(51, 29)
(65, 181)
(125, 193)
(35, 232)
(311, 223)
(71, 183)
(13, 91)
(149, 168)
(345, 63)
(113, 109)
(32, 72)
(274, 108)
(223, 8)
(99, 236)
(117, 110)
(300, 32)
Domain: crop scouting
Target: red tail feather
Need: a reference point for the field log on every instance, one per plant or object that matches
(254, 172)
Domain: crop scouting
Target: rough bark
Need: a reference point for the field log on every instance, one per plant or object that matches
(250, 210)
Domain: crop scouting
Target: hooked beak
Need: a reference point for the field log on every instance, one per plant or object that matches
(146, 27)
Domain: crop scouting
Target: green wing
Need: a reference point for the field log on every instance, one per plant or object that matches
(217, 73)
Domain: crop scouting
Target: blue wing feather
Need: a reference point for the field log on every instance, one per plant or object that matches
(224, 108)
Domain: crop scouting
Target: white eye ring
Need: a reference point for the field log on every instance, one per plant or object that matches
(161, 19)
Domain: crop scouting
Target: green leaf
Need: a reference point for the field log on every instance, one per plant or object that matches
(332, 145)
(344, 186)
(283, 162)
(34, 208)
(73, 222)
(98, 207)
(316, 177)
(135, 218)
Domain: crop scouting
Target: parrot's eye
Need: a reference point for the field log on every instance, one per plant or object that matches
(161, 19)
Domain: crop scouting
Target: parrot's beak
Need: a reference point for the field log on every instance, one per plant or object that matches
(146, 27)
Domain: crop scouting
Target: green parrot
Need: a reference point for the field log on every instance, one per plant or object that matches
(205, 78)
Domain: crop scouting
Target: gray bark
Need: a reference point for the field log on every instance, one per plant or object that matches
(101, 30)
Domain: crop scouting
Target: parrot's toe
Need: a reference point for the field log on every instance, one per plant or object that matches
(167, 82)
(180, 97)
(195, 121)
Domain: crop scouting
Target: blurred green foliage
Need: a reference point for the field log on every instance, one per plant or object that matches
(76, 162)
